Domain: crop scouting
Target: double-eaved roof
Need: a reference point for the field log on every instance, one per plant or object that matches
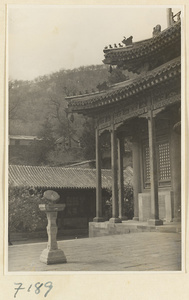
(158, 60)
(60, 177)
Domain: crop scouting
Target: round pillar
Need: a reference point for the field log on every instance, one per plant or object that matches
(115, 218)
(176, 174)
(136, 177)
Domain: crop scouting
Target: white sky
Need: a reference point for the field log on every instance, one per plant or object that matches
(45, 39)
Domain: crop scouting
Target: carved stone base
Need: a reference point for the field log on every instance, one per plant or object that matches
(135, 218)
(50, 257)
(155, 222)
(115, 220)
(98, 219)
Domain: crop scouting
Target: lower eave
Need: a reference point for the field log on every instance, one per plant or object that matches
(165, 74)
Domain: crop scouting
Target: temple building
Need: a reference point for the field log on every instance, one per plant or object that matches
(147, 110)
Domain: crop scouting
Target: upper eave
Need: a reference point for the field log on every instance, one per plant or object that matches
(130, 55)
(126, 89)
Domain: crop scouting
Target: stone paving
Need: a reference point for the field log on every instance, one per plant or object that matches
(145, 251)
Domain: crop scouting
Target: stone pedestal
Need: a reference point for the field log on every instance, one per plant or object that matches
(115, 220)
(123, 218)
(52, 255)
(155, 222)
(98, 219)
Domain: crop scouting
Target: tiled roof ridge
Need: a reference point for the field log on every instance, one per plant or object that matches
(130, 84)
(79, 163)
(21, 136)
(59, 177)
(149, 45)
(54, 167)
(119, 84)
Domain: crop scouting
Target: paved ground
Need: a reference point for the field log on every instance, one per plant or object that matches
(145, 251)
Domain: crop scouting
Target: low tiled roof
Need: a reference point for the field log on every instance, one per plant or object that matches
(127, 89)
(23, 137)
(60, 177)
(130, 55)
(81, 163)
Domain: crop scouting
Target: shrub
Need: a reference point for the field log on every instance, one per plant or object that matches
(128, 205)
(24, 213)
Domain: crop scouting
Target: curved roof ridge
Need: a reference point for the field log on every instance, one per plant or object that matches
(144, 48)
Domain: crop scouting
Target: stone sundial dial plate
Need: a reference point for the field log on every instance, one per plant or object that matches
(51, 195)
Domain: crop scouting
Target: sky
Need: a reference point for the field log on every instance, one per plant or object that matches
(44, 39)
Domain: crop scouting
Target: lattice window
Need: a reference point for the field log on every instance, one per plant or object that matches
(164, 161)
(163, 167)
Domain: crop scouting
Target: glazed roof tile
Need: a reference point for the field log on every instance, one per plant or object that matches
(145, 48)
(60, 177)
(127, 88)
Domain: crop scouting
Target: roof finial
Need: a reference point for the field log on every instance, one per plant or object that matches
(156, 30)
(169, 17)
(128, 41)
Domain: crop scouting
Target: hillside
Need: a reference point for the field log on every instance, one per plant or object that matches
(38, 108)
(31, 102)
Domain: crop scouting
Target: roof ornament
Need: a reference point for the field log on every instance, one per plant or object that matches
(177, 16)
(106, 48)
(156, 30)
(128, 41)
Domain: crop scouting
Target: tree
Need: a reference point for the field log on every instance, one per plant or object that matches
(88, 139)
(46, 142)
(16, 91)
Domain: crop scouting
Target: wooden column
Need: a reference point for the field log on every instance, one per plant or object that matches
(175, 151)
(114, 166)
(98, 217)
(136, 176)
(120, 141)
(154, 220)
